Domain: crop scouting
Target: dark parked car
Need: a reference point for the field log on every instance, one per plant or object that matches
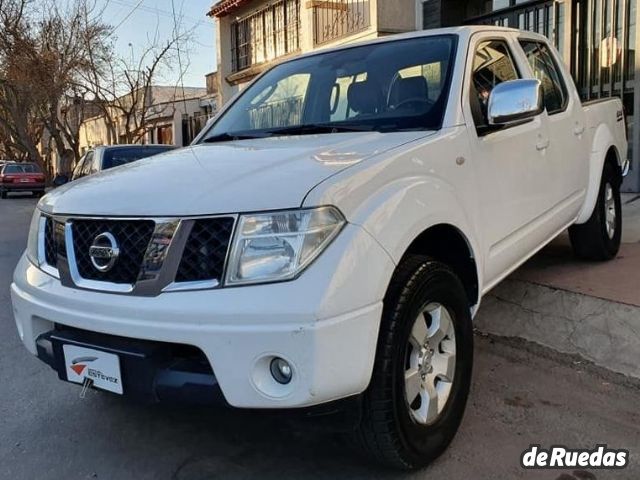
(104, 158)
(21, 177)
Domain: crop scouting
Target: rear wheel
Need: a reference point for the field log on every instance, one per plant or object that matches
(422, 373)
(599, 238)
(3, 194)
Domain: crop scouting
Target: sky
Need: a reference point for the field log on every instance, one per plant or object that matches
(137, 21)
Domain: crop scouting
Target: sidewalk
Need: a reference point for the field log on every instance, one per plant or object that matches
(618, 280)
(576, 307)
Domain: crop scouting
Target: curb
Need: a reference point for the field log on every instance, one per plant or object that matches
(603, 332)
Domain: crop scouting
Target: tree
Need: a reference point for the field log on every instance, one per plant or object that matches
(58, 65)
(66, 40)
(44, 52)
(124, 88)
(20, 128)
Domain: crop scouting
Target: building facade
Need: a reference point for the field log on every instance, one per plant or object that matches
(253, 34)
(596, 38)
(172, 116)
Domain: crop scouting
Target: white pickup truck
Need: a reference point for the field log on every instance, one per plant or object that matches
(329, 235)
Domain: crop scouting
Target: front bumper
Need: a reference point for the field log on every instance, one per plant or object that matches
(325, 323)
(153, 371)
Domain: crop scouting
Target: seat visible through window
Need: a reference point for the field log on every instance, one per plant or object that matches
(492, 65)
(409, 91)
(365, 98)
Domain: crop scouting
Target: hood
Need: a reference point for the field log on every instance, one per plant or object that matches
(232, 177)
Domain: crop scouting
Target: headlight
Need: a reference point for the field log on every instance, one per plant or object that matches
(278, 246)
(33, 243)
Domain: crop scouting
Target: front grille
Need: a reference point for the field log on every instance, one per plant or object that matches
(206, 250)
(53, 241)
(50, 243)
(132, 236)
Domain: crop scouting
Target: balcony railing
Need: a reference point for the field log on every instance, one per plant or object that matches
(335, 19)
(265, 35)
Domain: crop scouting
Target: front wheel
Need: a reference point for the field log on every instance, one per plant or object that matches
(599, 238)
(422, 373)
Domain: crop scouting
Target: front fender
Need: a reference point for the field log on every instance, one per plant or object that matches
(405, 209)
(402, 210)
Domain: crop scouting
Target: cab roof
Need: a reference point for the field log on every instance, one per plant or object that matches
(463, 32)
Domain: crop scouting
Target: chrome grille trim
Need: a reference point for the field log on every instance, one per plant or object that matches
(42, 259)
(158, 268)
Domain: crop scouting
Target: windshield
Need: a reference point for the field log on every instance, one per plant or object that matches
(397, 85)
(120, 156)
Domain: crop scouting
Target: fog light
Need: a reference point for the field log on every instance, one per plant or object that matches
(281, 370)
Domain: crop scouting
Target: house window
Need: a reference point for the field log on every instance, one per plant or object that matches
(164, 135)
(265, 35)
(335, 19)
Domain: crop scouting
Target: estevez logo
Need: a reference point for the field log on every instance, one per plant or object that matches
(79, 364)
(563, 457)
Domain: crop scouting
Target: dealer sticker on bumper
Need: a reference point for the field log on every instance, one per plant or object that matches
(103, 369)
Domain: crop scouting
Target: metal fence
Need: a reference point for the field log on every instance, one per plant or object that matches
(542, 16)
(265, 35)
(335, 19)
(283, 113)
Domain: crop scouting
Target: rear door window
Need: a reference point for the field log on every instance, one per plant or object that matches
(546, 70)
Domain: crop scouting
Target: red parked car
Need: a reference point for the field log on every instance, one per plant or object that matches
(21, 177)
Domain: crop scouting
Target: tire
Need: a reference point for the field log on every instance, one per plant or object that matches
(395, 431)
(599, 238)
(3, 194)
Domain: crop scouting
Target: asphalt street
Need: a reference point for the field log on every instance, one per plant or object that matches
(521, 395)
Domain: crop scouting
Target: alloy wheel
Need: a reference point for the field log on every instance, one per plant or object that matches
(430, 363)
(610, 210)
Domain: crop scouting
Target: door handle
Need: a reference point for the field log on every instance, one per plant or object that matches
(542, 144)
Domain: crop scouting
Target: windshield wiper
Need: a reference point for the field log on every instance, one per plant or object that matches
(310, 129)
(232, 137)
(314, 128)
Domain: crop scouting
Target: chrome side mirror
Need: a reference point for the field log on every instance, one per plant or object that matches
(515, 101)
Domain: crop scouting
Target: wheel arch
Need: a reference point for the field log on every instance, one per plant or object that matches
(613, 158)
(448, 244)
(604, 150)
